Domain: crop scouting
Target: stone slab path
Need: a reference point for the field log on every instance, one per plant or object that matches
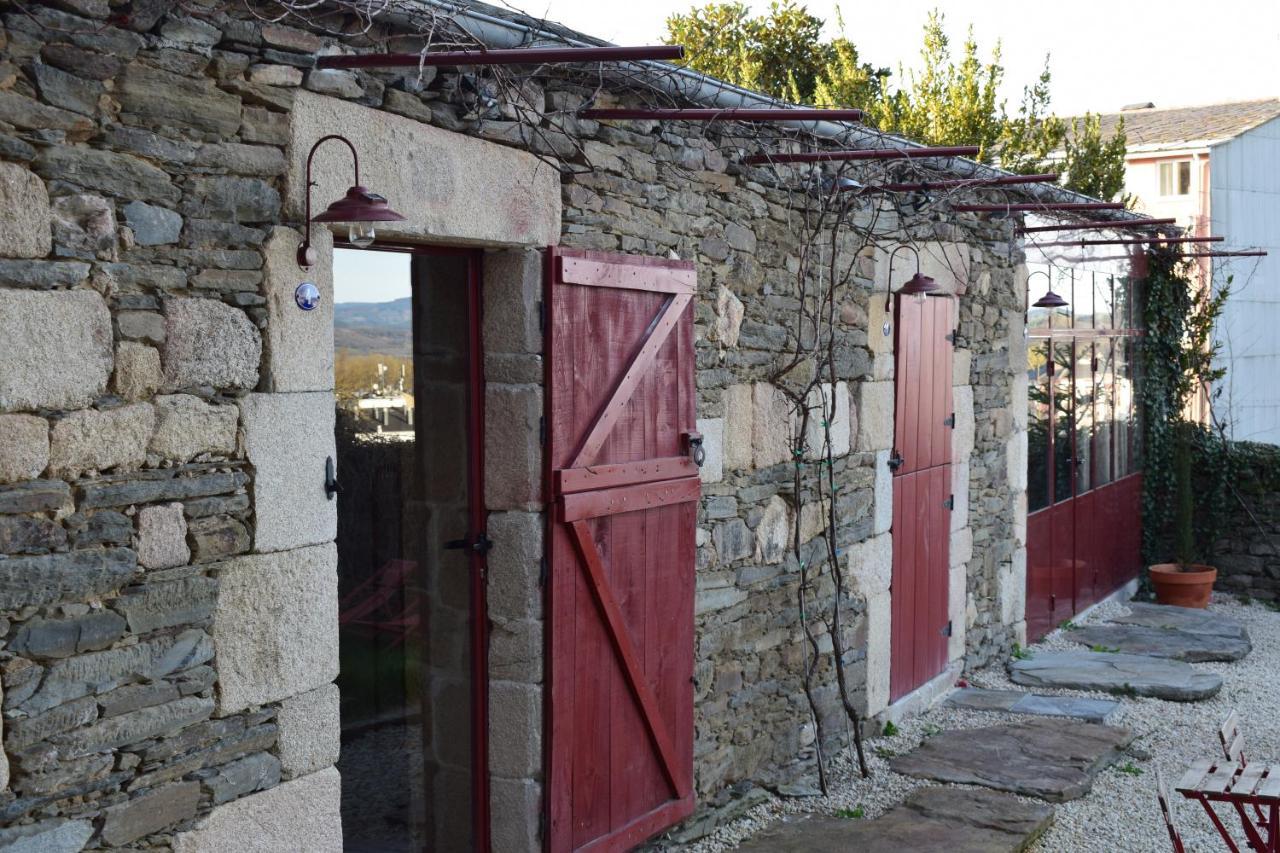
(931, 819)
(1018, 702)
(1186, 619)
(1115, 673)
(1194, 647)
(1054, 760)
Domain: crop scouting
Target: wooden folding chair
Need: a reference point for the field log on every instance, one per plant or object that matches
(1232, 740)
(1166, 809)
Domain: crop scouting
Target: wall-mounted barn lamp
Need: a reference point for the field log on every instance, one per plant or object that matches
(1050, 299)
(918, 286)
(360, 208)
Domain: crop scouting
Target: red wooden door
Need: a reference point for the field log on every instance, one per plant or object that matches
(624, 493)
(922, 499)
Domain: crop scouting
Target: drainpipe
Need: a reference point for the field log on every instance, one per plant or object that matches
(686, 84)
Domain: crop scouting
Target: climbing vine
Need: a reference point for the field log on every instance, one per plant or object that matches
(1188, 463)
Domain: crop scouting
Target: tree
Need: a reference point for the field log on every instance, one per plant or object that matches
(944, 102)
(1093, 165)
(779, 53)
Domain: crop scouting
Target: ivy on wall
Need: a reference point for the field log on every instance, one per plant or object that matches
(1188, 466)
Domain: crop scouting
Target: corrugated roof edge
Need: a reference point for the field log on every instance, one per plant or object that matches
(502, 28)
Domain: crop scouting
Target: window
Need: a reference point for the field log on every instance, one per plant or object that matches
(1175, 178)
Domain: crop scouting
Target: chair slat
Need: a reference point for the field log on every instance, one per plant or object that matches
(1190, 780)
(1219, 781)
(1229, 726)
(1236, 748)
(1270, 786)
(1166, 810)
(1249, 778)
(1230, 736)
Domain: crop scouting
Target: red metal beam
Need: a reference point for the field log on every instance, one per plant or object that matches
(1040, 205)
(778, 114)
(1098, 226)
(926, 186)
(1258, 253)
(514, 56)
(1139, 241)
(862, 154)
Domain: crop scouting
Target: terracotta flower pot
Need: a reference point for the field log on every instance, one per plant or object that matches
(1183, 586)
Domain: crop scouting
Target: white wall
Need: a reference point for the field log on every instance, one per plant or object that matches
(1245, 208)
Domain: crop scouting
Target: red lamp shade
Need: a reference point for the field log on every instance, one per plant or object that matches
(359, 205)
(1050, 300)
(919, 285)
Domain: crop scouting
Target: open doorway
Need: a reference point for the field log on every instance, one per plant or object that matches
(410, 550)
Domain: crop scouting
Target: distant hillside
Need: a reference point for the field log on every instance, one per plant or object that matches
(385, 327)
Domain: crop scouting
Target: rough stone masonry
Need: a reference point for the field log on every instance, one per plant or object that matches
(168, 607)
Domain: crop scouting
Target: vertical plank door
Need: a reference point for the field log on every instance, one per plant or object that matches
(624, 491)
(922, 496)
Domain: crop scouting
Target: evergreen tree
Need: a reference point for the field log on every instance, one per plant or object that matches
(944, 102)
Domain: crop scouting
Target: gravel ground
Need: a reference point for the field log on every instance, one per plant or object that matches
(1121, 813)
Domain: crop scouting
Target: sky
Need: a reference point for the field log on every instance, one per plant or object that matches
(370, 276)
(1103, 54)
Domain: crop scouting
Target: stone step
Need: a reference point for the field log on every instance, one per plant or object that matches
(1122, 674)
(1173, 643)
(1188, 619)
(931, 819)
(1019, 702)
(1055, 760)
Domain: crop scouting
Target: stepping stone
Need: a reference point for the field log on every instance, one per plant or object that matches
(1054, 760)
(1018, 702)
(1188, 619)
(1175, 643)
(1134, 675)
(931, 819)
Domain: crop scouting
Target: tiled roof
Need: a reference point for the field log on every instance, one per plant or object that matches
(1208, 123)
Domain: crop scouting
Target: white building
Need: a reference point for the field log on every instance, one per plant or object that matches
(1216, 169)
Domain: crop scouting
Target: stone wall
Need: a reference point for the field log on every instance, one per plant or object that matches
(1247, 553)
(167, 593)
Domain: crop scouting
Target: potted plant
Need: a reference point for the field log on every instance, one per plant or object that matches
(1183, 583)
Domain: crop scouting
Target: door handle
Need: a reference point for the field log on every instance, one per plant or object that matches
(693, 445)
(481, 544)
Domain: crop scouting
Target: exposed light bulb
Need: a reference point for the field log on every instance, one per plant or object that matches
(919, 297)
(361, 234)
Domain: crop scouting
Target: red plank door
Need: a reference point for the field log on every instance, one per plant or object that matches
(922, 499)
(625, 497)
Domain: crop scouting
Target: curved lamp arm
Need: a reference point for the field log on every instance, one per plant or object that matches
(1050, 299)
(306, 255)
(888, 287)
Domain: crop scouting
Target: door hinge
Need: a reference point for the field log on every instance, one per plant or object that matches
(950, 502)
(952, 336)
(1053, 602)
(542, 316)
(946, 631)
(542, 430)
(542, 572)
(950, 420)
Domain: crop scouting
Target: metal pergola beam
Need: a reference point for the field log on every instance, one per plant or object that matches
(730, 114)
(514, 56)
(862, 154)
(1040, 205)
(1136, 242)
(1098, 226)
(958, 183)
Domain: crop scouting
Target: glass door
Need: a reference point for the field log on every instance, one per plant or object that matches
(411, 684)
